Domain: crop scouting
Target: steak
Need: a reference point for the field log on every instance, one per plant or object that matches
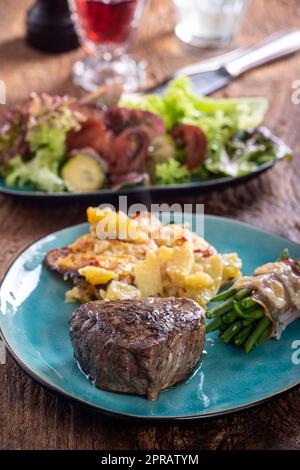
(138, 346)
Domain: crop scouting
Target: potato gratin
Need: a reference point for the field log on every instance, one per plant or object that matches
(134, 257)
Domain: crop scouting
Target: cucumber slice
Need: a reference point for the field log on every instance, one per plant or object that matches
(83, 173)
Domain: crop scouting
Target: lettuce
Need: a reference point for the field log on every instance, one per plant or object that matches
(50, 119)
(225, 123)
(244, 152)
(180, 104)
(32, 173)
(172, 172)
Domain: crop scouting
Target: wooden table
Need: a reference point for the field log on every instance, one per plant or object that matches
(33, 418)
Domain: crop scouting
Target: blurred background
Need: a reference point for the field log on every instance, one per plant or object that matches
(25, 68)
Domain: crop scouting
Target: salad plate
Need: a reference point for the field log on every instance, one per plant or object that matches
(138, 191)
(34, 324)
(55, 147)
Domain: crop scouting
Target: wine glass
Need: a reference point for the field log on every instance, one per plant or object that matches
(106, 29)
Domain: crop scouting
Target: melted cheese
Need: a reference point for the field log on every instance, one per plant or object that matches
(288, 277)
(277, 288)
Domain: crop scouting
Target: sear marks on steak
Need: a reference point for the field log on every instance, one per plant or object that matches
(138, 346)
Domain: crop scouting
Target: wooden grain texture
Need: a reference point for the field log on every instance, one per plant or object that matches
(30, 416)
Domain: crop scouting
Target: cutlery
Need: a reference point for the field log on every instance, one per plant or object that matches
(214, 74)
(112, 93)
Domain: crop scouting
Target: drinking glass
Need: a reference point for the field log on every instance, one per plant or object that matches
(106, 28)
(209, 23)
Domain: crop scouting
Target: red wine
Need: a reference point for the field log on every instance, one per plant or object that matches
(106, 23)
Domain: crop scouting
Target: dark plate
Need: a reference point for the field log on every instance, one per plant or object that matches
(139, 191)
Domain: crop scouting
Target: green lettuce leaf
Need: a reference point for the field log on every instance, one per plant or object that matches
(41, 177)
(172, 172)
(50, 119)
(180, 104)
(234, 147)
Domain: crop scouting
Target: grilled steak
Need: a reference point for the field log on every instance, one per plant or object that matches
(138, 346)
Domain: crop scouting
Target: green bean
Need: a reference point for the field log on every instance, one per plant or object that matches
(223, 327)
(214, 325)
(242, 294)
(283, 255)
(238, 309)
(224, 295)
(229, 317)
(231, 331)
(264, 336)
(249, 322)
(255, 314)
(248, 303)
(241, 337)
(219, 310)
(260, 328)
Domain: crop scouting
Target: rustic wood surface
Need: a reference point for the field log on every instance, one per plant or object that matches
(30, 416)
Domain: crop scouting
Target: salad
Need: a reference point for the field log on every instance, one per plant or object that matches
(56, 144)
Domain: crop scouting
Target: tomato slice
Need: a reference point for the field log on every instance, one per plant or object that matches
(194, 142)
(118, 119)
(129, 151)
(93, 134)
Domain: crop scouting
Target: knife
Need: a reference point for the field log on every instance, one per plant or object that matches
(214, 77)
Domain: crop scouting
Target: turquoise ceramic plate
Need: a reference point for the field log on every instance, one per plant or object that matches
(34, 323)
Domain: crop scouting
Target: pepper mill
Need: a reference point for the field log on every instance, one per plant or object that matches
(50, 27)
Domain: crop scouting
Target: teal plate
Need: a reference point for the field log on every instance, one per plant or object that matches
(34, 324)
